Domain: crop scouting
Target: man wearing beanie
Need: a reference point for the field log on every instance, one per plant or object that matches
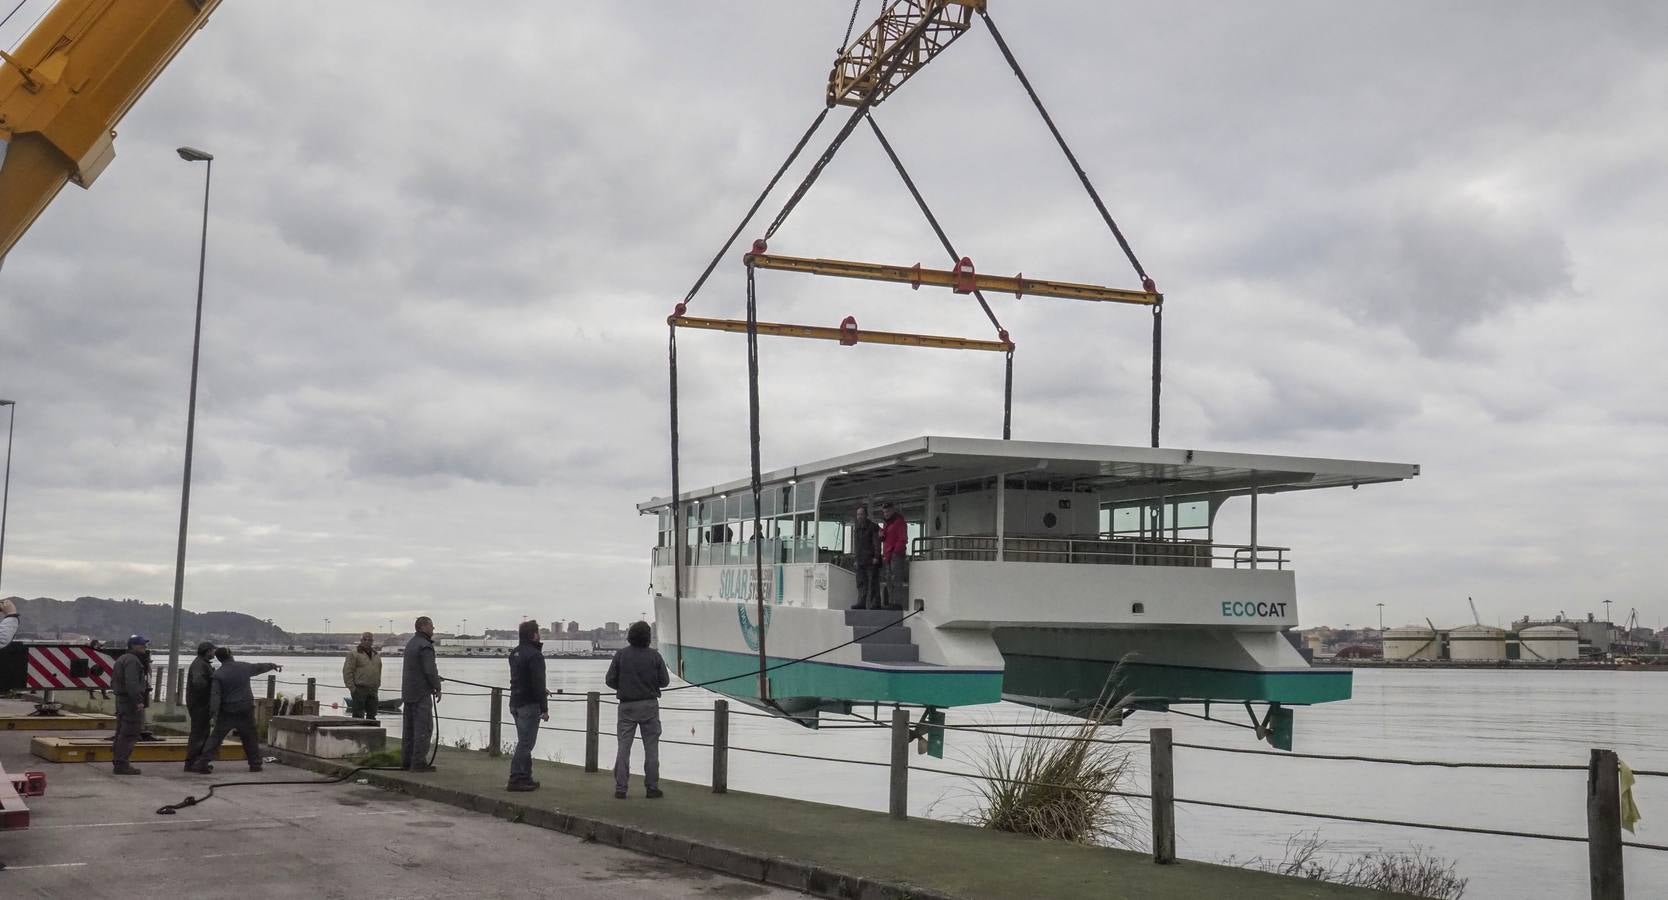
(199, 687)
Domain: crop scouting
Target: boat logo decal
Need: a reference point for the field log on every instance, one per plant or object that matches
(750, 632)
(1237, 610)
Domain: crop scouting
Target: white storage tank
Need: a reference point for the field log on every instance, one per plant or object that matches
(1477, 643)
(1548, 643)
(1411, 642)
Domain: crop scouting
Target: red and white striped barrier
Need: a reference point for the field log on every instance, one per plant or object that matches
(66, 666)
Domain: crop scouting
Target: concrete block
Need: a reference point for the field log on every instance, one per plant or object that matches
(326, 737)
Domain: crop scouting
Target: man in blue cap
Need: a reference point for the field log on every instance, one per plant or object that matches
(132, 684)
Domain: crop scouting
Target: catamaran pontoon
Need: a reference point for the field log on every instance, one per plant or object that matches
(1043, 573)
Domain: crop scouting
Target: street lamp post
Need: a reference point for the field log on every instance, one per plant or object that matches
(192, 155)
(6, 493)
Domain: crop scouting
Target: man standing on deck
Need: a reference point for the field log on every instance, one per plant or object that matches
(9, 621)
(894, 554)
(419, 689)
(132, 684)
(362, 675)
(865, 556)
(233, 703)
(199, 697)
(529, 704)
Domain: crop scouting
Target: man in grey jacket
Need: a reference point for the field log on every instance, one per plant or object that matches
(9, 621)
(132, 684)
(419, 689)
(233, 703)
(199, 692)
(637, 674)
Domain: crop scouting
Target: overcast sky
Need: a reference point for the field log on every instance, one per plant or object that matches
(444, 242)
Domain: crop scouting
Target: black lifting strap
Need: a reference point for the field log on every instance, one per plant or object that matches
(679, 530)
(897, 163)
(1061, 140)
(753, 441)
(857, 114)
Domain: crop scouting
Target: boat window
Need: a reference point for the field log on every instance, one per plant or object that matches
(831, 536)
(770, 502)
(805, 499)
(710, 511)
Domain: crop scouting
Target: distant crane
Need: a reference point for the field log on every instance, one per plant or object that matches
(1474, 617)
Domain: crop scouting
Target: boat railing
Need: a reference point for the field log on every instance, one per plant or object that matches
(1102, 551)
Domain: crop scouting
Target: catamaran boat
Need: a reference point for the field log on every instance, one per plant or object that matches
(1061, 576)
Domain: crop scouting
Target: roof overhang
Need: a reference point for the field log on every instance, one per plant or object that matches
(1113, 471)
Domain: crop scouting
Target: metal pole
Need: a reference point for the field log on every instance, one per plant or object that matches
(720, 746)
(190, 437)
(271, 686)
(899, 804)
(1164, 798)
(495, 726)
(1158, 363)
(1604, 826)
(1254, 548)
(312, 690)
(6, 494)
(593, 721)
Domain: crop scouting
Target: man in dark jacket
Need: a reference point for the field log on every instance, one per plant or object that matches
(199, 689)
(637, 674)
(529, 704)
(865, 558)
(419, 689)
(132, 684)
(233, 703)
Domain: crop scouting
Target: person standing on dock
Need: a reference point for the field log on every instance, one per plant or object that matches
(637, 674)
(529, 704)
(362, 675)
(865, 557)
(894, 553)
(419, 689)
(199, 698)
(233, 703)
(132, 684)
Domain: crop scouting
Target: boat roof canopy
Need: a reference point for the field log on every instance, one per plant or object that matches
(1112, 471)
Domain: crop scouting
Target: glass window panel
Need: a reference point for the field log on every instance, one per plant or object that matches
(770, 502)
(708, 509)
(805, 497)
(1126, 519)
(746, 510)
(732, 507)
(1195, 514)
(831, 536)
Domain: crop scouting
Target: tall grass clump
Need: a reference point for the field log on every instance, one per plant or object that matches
(1059, 785)
(1414, 873)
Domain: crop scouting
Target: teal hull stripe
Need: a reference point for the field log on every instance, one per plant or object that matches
(1085, 679)
(926, 685)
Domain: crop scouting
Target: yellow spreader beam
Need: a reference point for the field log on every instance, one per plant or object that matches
(962, 279)
(848, 333)
(68, 83)
(70, 750)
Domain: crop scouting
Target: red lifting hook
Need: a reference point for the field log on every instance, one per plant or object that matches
(965, 283)
(848, 331)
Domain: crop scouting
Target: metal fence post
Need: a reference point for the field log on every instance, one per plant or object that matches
(312, 690)
(179, 692)
(495, 724)
(899, 806)
(1604, 826)
(1163, 797)
(720, 746)
(271, 687)
(156, 685)
(593, 721)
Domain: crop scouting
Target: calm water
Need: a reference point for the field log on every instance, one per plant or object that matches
(1552, 717)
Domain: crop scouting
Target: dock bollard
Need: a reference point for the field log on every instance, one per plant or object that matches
(271, 687)
(593, 721)
(313, 689)
(1163, 797)
(899, 806)
(720, 746)
(1604, 826)
(495, 724)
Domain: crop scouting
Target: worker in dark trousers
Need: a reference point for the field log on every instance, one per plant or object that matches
(199, 693)
(637, 674)
(233, 703)
(865, 558)
(132, 684)
(419, 690)
(529, 705)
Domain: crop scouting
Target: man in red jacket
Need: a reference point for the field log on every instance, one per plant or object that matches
(894, 553)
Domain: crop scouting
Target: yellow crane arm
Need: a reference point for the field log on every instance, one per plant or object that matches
(68, 83)
(858, 72)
